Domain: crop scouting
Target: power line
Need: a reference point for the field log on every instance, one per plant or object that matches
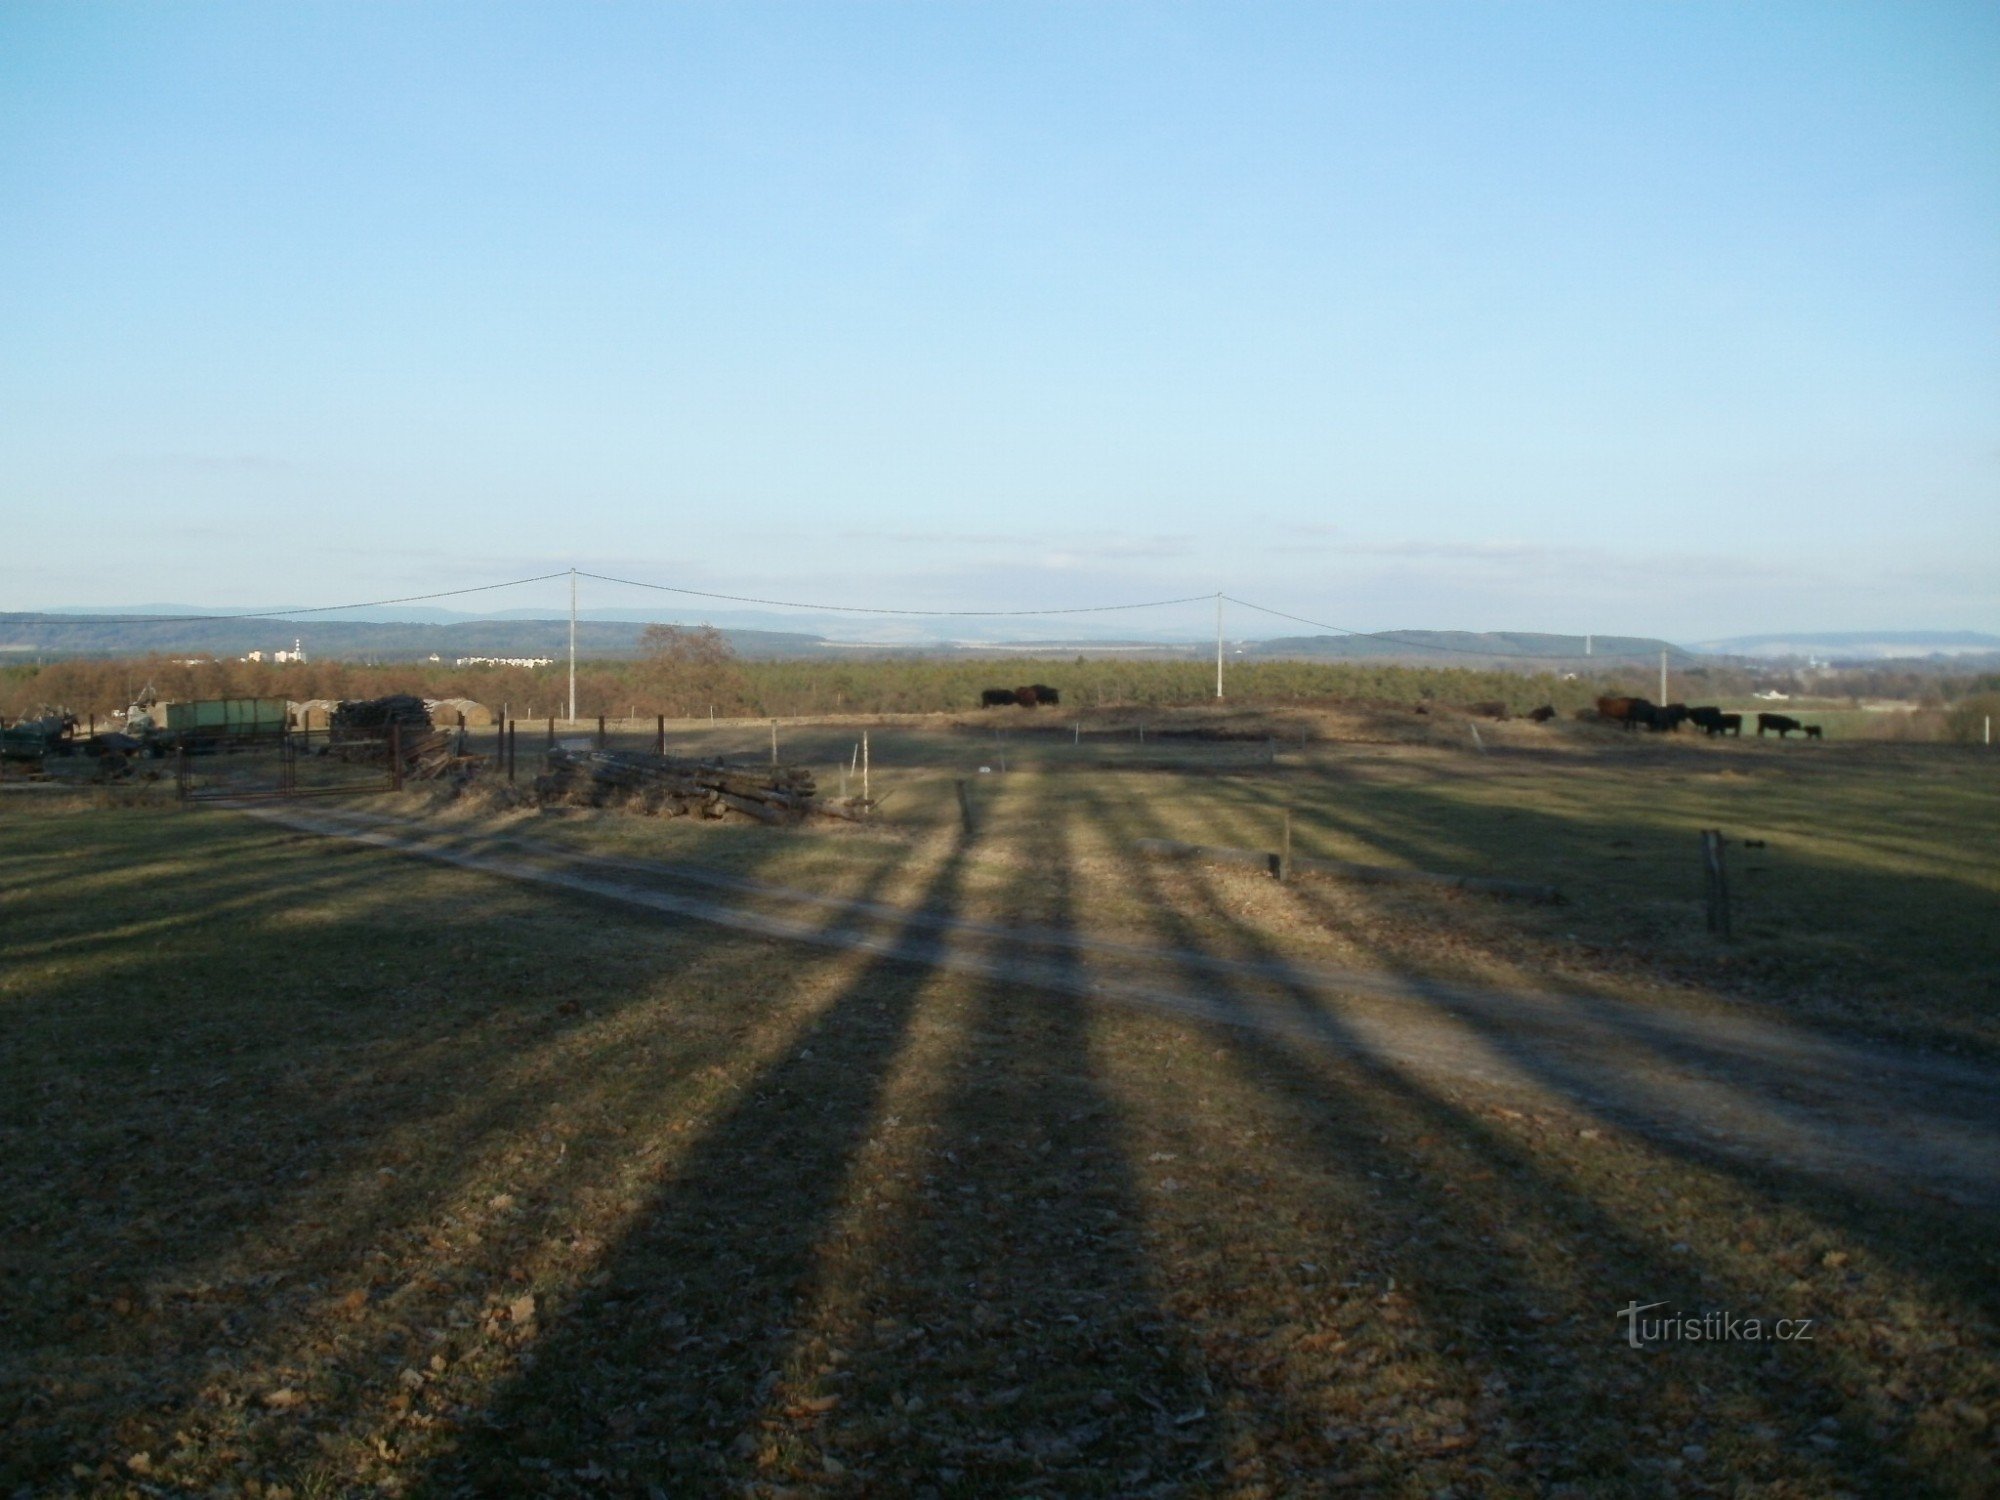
(935, 614)
(1387, 637)
(1437, 647)
(285, 614)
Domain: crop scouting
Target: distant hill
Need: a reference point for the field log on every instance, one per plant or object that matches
(45, 635)
(1860, 645)
(1474, 648)
(165, 632)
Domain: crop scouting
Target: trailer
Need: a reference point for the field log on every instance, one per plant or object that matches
(230, 719)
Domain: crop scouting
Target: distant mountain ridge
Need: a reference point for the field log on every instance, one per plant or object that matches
(350, 640)
(1865, 645)
(157, 630)
(1444, 646)
(422, 631)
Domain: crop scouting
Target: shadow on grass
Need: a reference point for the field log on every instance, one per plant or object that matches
(1515, 1264)
(275, 1110)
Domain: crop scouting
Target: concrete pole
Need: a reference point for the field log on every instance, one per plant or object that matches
(1218, 643)
(572, 645)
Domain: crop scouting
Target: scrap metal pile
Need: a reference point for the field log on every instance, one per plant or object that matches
(361, 731)
(671, 787)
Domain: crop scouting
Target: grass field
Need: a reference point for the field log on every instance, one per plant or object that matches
(330, 1171)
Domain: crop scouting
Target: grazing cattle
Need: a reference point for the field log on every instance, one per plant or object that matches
(1543, 714)
(1028, 697)
(1671, 717)
(995, 697)
(1631, 712)
(1783, 724)
(1715, 721)
(1811, 731)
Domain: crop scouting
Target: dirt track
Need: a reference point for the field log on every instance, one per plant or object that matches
(1883, 1123)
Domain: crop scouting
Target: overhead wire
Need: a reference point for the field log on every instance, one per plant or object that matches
(284, 614)
(1396, 638)
(869, 609)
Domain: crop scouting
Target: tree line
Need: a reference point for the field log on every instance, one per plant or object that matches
(690, 672)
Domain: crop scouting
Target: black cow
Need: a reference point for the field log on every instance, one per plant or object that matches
(1811, 731)
(996, 697)
(1046, 694)
(1543, 714)
(1715, 721)
(1780, 722)
(1670, 717)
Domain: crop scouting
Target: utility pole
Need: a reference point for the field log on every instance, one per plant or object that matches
(572, 645)
(1218, 643)
(1663, 677)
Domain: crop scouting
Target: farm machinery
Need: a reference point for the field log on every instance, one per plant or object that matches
(55, 742)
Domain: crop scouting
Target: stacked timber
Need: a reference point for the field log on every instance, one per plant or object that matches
(672, 787)
(361, 731)
(374, 716)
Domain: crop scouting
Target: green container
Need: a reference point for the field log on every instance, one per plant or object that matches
(234, 718)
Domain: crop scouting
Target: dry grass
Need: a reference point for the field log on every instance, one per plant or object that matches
(326, 1171)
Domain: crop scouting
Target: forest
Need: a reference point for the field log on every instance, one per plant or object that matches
(690, 673)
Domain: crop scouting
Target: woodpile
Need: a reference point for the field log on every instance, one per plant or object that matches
(670, 787)
(375, 715)
(362, 731)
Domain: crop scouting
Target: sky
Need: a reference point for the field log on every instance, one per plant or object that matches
(1671, 320)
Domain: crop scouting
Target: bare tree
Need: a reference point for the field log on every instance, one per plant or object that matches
(689, 668)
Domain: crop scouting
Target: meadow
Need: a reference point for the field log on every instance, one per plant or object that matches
(327, 1169)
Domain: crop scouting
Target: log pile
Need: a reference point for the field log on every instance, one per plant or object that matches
(373, 716)
(360, 732)
(671, 787)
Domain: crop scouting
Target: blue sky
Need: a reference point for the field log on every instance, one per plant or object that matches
(1673, 319)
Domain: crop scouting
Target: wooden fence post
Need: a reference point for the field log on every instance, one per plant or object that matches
(1717, 877)
(964, 805)
(600, 731)
(1285, 851)
(660, 734)
(395, 757)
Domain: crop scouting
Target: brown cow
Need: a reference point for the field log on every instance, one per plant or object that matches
(1631, 712)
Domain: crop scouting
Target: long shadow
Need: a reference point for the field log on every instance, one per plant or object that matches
(660, 1373)
(1659, 865)
(1009, 1273)
(192, 1200)
(1570, 1408)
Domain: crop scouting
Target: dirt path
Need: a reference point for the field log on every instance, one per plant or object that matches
(1870, 1119)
